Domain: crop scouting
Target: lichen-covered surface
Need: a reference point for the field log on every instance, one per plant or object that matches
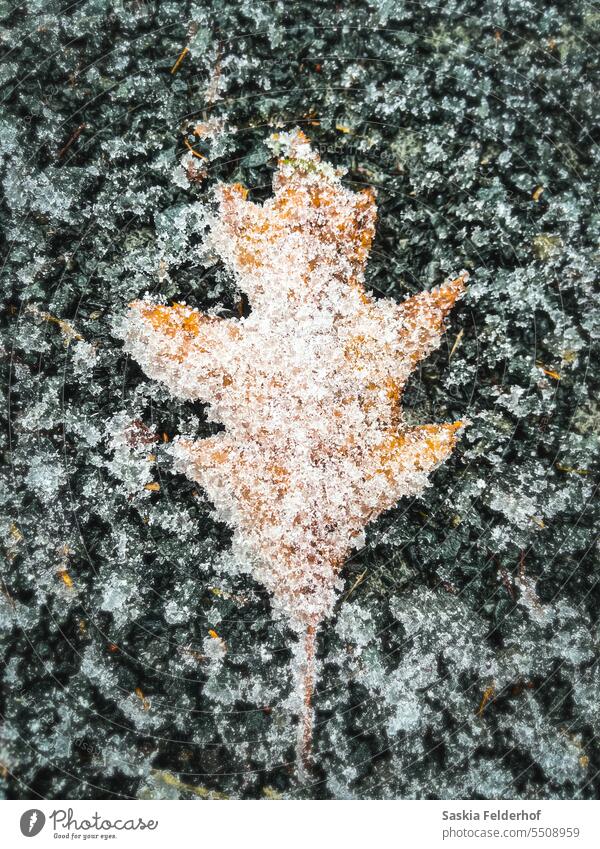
(139, 658)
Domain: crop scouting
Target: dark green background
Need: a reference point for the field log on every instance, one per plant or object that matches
(458, 113)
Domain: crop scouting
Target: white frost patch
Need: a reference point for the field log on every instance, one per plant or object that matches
(45, 478)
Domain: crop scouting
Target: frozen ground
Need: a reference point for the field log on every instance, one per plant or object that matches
(462, 657)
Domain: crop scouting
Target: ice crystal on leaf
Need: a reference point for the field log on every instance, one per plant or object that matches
(308, 386)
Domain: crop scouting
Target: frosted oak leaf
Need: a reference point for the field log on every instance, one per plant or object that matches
(308, 387)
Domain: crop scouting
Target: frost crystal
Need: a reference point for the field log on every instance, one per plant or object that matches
(308, 386)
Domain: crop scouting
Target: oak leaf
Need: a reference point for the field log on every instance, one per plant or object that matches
(308, 387)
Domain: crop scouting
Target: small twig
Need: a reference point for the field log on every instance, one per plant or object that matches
(571, 469)
(550, 372)
(68, 331)
(539, 522)
(180, 59)
(8, 595)
(356, 584)
(521, 565)
(72, 138)
(507, 583)
(140, 694)
(194, 152)
(487, 696)
(212, 92)
(457, 342)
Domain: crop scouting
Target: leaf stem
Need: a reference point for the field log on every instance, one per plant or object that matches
(306, 684)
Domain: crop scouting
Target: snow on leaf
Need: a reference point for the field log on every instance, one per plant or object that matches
(308, 387)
